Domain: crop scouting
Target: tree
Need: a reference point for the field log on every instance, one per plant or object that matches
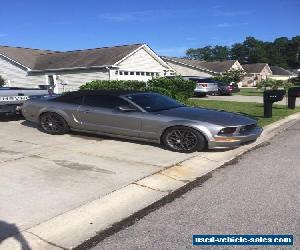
(209, 53)
(282, 52)
(231, 76)
(2, 81)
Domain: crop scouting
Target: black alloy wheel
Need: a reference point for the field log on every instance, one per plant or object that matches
(183, 139)
(53, 124)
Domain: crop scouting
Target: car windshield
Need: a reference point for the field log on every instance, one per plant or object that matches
(153, 102)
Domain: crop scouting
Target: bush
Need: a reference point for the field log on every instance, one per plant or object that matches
(121, 85)
(235, 76)
(295, 80)
(177, 87)
(274, 84)
(2, 81)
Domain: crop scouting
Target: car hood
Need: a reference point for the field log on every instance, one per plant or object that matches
(213, 116)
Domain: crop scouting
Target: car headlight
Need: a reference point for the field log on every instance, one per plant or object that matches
(227, 131)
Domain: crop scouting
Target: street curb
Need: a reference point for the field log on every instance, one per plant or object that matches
(84, 226)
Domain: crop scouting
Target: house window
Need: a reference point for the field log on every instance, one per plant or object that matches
(147, 73)
(142, 73)
(125, 73)
(116, 72)
(131, 73)
(121, 73)
(138, 73)
(157, 74)
(152, 73)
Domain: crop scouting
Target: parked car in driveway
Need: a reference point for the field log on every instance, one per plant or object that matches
(12, 98)
(204, 86)
(142, 116)
(234, 87)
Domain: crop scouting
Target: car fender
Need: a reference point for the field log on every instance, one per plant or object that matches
(199, 126)
(54, 110)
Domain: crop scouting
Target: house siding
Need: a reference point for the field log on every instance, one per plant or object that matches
(187, 71)
(140, 61)
(75, 79)
(16, 76)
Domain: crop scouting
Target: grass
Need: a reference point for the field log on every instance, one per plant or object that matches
(249, 92)
(251, 109)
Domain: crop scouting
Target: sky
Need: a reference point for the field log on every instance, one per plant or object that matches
(168, 27)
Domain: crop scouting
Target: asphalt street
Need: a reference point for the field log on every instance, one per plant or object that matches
(257, 195)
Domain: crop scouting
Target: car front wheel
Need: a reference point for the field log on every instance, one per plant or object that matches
(183, 139)
(53, 124)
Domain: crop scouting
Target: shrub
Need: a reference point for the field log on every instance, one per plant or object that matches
(273, 84)
(2, 81)
(177, 87)
(295, 80)
(121, 85)
(235, 76)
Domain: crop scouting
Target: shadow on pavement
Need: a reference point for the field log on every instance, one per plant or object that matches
(8, 118)
(11, 230)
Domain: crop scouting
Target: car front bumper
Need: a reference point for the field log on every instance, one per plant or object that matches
(222, 142)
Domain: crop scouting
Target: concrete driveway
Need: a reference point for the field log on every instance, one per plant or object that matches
(43, 176)
(242, 98)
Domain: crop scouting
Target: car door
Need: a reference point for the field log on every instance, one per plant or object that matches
(100, 113)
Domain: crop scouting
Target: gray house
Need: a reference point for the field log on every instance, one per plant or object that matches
(27, 67)
(196, 68)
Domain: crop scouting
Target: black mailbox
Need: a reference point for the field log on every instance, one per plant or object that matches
(293, 93)
(271, 96)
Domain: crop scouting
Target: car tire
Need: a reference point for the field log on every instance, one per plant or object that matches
(183, 139)
(54, 124)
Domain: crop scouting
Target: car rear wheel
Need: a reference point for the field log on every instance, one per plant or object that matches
(183, 139)
(54, 124)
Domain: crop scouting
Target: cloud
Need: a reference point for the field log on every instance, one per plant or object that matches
(223, 25)
(220, 13)
(135, 15)
(227, 25)
(172, 51)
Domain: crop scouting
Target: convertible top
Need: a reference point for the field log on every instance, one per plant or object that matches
(79, 93)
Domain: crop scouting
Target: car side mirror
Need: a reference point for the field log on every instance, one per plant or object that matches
(127, 108)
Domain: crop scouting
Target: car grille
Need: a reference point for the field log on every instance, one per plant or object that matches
(248, 128)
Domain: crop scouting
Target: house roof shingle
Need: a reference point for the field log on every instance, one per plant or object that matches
(25, 56)
(281, 71)
(218, 66)
(51, 60)
(254, 67)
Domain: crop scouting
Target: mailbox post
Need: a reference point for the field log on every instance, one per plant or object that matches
(271, 96)
(293, 93)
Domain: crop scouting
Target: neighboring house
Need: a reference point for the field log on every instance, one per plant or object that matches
(256, 72)
(195, 68)
(68, 70)
(281, 73)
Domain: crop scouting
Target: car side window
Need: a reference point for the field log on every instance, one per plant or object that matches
(104, 101)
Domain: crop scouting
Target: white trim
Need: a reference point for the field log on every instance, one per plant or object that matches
(75, 68)
(189, 65)
(150, 52)
(16, 62)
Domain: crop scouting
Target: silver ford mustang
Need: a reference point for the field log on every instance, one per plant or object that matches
(142, 116)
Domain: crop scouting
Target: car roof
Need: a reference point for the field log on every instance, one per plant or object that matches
(79, 93)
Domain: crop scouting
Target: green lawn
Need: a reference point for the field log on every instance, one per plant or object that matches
(252, 109)
(249, 92)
